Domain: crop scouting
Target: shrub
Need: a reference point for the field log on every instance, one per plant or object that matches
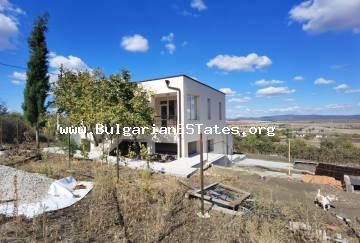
(14, 129)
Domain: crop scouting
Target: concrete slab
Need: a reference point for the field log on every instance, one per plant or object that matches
(264, 163)
(183, 167)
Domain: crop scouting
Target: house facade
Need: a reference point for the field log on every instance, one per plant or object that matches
(178, 100)
(184, 100)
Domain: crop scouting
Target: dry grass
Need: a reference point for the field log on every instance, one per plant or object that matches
(145, 207)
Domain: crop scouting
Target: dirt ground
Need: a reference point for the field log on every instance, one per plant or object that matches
(145, 207)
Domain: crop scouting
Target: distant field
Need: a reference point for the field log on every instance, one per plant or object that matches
(327, 129)
(324, 127)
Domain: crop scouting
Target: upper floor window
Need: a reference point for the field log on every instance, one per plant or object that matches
(192, 107)
(220, 111)
(209, 108)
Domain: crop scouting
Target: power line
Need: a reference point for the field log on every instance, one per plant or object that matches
(19, 67)
(13, 66)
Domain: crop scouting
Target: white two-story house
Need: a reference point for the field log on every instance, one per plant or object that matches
(183, 100)
(177, 100)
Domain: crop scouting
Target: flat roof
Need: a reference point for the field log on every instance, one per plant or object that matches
(182, 75)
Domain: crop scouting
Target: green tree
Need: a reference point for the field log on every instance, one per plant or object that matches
(37, 79)
(88, 98)
(133, 108)
(81, 97)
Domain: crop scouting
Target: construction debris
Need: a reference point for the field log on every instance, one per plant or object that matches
(222, 197)
(323, 180)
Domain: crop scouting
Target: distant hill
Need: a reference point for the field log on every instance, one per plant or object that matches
(301, 118)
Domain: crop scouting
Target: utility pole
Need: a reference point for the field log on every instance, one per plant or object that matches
(117, 159)
(202, 214)
(69, 150)
(289, 156)
(17, 130)
(202, 174)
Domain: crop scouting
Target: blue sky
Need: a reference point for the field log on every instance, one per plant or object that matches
(270, 57)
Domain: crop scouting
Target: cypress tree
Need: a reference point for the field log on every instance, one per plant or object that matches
(37, 79)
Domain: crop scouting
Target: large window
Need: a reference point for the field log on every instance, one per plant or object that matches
(209, 108)
(192, 107)
(210, 145)
(220, 111)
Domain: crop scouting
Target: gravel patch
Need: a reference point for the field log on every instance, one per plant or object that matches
(31, 187)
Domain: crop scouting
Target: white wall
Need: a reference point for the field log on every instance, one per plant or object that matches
(203, 92)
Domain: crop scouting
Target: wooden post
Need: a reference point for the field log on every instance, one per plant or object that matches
(17, 131)
(202, 174)
(69, 149)
(289, 156)
(103, 150)
(117, 159)
(202, 214)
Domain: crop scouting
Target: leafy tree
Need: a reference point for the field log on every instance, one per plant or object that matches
(81, 96)
(37, 79)
(129, 104)
(88, 98)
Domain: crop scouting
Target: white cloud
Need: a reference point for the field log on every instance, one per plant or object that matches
(17, 82)
(244, 99)
(198, 4)
(5, 5)
(135, 43)
(298, 78)
(352, 91)
(240, 111)
(70, 62)
(228, 91)
(264, 82)
(8, 24)
(327, 15)
(247, 63)
(342, 87)
(19, 76)
(8, 32)
(270, 91)
(337, 106)
(346, 89)
(171, 48)
(324, 81)
(285, 109)
(169, 38)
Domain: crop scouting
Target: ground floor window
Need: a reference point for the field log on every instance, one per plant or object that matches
(210, 145)
(166, 148)
(192, 148)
